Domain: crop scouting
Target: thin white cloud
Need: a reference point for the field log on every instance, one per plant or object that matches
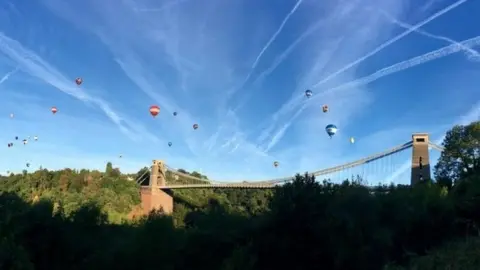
(264, 49)
(407, 64)
(391, 41)
(145, 46)
(404, 65)
(273, 37)
(34, 65)
(472, 54)
(279, 134)
(183, 59)
(7, 76)
(164, 7)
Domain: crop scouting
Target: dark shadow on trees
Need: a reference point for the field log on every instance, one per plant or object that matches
(309, 226)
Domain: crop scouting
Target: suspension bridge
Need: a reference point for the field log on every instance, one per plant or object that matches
(161, 178)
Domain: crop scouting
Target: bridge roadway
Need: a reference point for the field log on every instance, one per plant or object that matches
(275, 182)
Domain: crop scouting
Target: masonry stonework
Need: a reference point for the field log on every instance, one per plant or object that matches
(420, 158)
(153, 197)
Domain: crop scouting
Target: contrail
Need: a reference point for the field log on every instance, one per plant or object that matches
(279, 59)
(270, 41)
(292, 46)
(31, 63)
(164, 7)
(393, 40)
(280, 28)
(471, 53)
(293, 103)
(418, 60)
(6, 76)
(279, 134)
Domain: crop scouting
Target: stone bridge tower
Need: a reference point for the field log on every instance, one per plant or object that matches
(420, 158)
(154, 196)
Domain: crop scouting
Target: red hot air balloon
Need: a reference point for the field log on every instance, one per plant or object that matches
(154, 110)
(78, 81)
(195, 126)
(54, 110)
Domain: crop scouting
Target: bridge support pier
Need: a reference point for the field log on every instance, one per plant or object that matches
(420, 158)
(153, 198)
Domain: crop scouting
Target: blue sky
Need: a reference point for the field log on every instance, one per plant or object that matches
(239, 70)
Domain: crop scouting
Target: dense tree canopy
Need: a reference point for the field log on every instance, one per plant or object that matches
(461, 157)
(72, 219)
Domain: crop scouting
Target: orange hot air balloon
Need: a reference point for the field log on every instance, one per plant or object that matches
(195, 126)
(54, 110)
(78, 81)
(154, 110)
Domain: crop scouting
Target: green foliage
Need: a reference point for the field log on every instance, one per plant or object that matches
(455, 255)
(461, 157)
(71, 220)
(70, 190)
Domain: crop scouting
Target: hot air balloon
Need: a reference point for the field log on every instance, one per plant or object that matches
(78, 81)
(54, 110)
(25, 141)
(331, 130)
(154, 110)
(35, 138)
(9, 145)
(352, 140)
(308, 93)
(275, 164)
(12, 115)
(195, 126)
(16, 137)
(174, 113)
(120, 156)
(170, 144)
(28, 164)
(325, 108)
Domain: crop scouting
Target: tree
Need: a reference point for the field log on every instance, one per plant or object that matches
(461, 157)
(196, 174)
(143, 176)
(109, 169)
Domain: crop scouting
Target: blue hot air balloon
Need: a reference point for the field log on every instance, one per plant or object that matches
(308, 93)
(331, 130)
(169, 144)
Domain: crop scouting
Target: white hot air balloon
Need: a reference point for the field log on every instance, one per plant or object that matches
(352, 140)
